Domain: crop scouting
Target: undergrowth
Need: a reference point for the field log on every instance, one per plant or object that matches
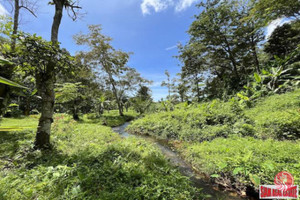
(88, 161)
(238, 147)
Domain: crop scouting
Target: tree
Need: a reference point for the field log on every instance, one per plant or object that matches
(35, 56)
(269, 10)
(46, 79)
(284, 40)
(167, 83)
(142, 100)
(70, 94)
(194, 65)
(106, 59)
(30, 6)
(228, 58)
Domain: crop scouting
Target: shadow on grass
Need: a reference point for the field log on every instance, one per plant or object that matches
(86, 175)
(11, 142)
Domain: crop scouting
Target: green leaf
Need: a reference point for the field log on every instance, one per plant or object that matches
(257, 77)
(264, 72)
(34, 92)
(243, 97)
(237, 170)
(222, 165)
(215, 175)
(10, 83)
(4, 61)
(254, 179)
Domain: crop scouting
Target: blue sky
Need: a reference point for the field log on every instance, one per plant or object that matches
(150, 29)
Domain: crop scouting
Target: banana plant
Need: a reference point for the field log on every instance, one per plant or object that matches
(276, 75)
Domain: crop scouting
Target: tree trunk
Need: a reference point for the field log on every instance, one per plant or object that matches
(45, 86)
(27, 107)
(57, 20)
(16, 24)
(4, 98)
(120, 108)
(101, 111)
(232, 58)
(75, 112)
(253, 46)
(197, 88)
(112, 82)
(75, 116)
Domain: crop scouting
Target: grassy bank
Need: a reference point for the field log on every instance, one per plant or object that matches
(236, 146)
(88, 161)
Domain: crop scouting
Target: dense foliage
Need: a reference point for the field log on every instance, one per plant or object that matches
(237, 145)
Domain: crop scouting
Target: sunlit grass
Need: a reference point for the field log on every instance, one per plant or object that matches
(88, 161)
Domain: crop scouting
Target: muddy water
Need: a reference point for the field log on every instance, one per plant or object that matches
(184, 168)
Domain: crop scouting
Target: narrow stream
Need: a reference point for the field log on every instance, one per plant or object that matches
(184, 168)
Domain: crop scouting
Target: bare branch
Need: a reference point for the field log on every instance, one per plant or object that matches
(29, 10)
(72, 8)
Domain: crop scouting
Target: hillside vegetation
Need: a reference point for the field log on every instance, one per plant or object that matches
(237, 147)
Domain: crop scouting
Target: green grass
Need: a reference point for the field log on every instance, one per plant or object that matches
(277, 116)
(244, 162)
(110, 118)
(88, 161)
(11, 124)
(240, 146)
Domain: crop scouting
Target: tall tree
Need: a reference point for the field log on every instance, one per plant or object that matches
(112, 62)
(269, 10)
(284, 39)
(46, 82)
(223, 45)
(30, 6)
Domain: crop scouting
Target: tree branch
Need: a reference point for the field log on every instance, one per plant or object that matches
(72, 7)
(29, 10)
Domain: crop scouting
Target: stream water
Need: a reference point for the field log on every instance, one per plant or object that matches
(198, 180)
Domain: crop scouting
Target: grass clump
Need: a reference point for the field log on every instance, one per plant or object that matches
(88, 161)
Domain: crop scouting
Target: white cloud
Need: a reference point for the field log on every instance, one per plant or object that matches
(184, 4)
(157, 5)
(3, 11)
(272, 26)
(160, 5)
(170, 48)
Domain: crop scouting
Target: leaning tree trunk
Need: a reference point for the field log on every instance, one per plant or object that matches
(46, 87)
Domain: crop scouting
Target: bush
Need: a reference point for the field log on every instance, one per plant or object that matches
(275, 117)
(197, 123)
